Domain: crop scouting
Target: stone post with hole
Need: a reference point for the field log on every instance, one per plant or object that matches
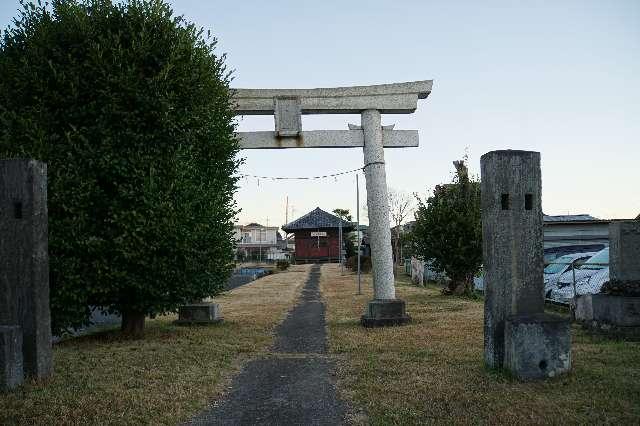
(24, 262)
(518, 335)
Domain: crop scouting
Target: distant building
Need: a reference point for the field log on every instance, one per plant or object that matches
(574, 233)
(258, 243)
(316, 236)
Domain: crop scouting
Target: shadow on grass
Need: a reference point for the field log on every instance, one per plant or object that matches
(155, 330)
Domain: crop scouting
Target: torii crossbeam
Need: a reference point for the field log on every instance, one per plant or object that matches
(288, 105)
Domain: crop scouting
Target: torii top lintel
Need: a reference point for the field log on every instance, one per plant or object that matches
(395, 98)
(287, 106)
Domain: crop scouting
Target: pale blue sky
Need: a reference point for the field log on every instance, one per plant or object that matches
(559, 77)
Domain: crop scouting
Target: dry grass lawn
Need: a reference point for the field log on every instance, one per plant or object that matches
(431, 371)
(164, 379)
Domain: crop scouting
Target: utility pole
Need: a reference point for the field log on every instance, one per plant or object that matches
(358, 230)
(340, 247)
(286, 220)
(266, 235)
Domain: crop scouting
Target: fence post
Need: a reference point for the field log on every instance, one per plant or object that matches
(572, 305)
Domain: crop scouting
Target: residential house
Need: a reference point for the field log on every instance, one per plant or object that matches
(257, 242)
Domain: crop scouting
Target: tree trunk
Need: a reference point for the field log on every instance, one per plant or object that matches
(133, 324)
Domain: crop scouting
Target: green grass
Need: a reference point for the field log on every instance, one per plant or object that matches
(165, 378)
(431, 371)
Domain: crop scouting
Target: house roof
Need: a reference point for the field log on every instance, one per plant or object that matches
(573, 219)
(254, 225)
(316, 219)
(569, 218)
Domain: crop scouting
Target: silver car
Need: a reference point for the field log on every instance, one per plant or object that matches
(589, 278)
(589, 285)
(554, 270)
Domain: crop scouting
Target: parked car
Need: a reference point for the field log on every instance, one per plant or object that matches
(553, 271)
(589, 278)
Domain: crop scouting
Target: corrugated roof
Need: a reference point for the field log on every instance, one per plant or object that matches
(316, 219)
(569, 218)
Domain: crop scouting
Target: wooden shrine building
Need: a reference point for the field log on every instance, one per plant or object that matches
(317, 236)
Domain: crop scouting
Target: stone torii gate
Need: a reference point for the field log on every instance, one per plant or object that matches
(287, 106)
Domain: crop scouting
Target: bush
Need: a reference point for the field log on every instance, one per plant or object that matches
(282, 265)
(621, 288)
(130, 108)
(448, 230)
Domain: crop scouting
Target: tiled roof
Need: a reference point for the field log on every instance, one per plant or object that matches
(316, 219)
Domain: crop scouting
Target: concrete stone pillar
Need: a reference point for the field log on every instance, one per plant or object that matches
(378, 207)
(385, 309)
(512, 242)
(11, 366)
(624, 250)
(24, 260)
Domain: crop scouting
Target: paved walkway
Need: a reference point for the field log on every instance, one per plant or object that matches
(294, 384)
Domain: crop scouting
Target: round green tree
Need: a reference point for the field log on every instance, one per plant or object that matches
(448, 230)
(130, 108)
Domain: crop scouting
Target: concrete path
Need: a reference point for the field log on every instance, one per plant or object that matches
(294, 384)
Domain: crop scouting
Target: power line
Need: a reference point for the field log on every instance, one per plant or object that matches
(312, 177)
(302, 177)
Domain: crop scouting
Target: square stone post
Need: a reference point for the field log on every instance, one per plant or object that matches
(11, 367)
(24, 260)
(624, 250)
(517, 333)
(616, 312)
(385, 309)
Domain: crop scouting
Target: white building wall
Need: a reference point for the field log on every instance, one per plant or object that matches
(264, 235)
(559, 235)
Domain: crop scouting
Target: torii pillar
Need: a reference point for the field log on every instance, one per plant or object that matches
(287, 106)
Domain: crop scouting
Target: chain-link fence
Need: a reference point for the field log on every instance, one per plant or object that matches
(574, 275)
(564, 278)
(575, 281)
